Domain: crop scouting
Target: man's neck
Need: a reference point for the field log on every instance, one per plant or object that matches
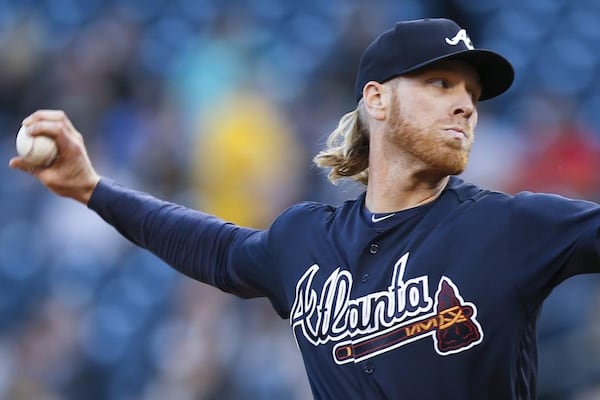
(395, 193)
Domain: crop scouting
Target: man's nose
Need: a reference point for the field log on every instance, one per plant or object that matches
(464, 104)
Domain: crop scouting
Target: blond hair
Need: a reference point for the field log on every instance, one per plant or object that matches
(347, 151)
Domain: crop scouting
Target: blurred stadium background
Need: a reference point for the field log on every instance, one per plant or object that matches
(220, 105)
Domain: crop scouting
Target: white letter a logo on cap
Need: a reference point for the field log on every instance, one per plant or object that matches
(461, 35)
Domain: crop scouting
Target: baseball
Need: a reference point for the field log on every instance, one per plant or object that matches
(39, 151)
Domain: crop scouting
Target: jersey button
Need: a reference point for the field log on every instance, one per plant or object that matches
(369, 368)
(364, 278)
(374, 248)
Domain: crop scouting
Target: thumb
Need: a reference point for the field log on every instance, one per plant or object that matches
(20, 164)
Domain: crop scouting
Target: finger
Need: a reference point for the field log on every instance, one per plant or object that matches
(55, 130)
(15, 162)
(20, 164)
(48, 128)
(47, 115)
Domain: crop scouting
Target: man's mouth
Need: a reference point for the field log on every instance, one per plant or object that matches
(457, 132)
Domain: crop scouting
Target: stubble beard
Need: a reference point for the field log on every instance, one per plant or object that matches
(442, 155)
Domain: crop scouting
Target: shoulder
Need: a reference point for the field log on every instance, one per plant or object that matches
(306, 209)
(552, 206)
(309, 211)
(523, 204)
(469, 192)
(310, 216)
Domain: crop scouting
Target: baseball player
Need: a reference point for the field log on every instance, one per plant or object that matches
(423, 287)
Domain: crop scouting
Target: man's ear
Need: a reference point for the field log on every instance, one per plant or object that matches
(374, 99)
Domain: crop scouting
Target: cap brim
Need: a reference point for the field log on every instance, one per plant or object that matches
(496, 73)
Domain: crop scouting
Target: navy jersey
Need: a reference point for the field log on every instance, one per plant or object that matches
(438, 301)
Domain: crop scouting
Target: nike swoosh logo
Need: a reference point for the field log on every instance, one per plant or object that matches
(375, 219)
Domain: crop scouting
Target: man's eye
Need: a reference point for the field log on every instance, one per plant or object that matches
(440, 83)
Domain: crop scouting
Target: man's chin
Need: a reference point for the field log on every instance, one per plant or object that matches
(451, 166)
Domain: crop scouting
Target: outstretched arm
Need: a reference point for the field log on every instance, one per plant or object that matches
(196, 244)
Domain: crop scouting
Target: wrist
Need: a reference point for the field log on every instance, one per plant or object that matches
(88, 190)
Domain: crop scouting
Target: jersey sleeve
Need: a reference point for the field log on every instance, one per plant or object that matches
(201, 246)
(552, 238)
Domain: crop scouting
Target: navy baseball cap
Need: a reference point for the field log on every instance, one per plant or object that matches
(412, 45)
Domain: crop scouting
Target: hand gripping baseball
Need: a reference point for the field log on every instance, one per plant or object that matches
(71, 174)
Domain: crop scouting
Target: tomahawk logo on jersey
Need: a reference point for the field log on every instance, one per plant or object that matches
(383, 321)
